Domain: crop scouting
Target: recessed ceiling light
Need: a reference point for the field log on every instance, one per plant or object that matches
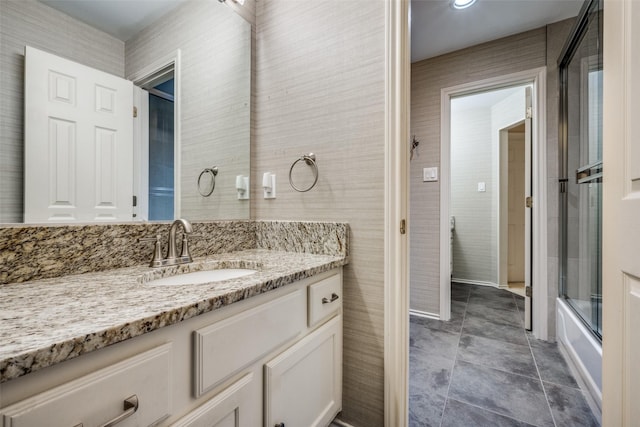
(462, 4)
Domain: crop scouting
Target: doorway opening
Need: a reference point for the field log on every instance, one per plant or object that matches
(490, 177)
(472, 220)
(161, 159)
(157, 140)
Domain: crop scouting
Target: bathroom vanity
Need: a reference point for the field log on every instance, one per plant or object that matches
(113, 348)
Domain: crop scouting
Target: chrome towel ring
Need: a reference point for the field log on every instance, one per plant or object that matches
(213, 171)
(309, 159)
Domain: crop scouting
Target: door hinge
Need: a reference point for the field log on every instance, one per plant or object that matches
(528, 202)
(403, 226)
(135, 200)
(135, 111)
(529, 113)
(527, 291)
(563, 185)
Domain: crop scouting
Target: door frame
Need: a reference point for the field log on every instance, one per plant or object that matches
(148, 73)
(620, 204)
(396, 209)
(537, 77)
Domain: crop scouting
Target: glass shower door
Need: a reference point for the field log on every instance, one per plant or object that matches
(581, 189)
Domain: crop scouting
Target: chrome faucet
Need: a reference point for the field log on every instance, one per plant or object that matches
(172, 257)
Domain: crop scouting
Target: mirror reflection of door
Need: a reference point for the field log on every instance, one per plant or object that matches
(161, 151)
(89, 125)
(78, 142)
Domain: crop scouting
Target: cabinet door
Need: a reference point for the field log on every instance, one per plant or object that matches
(233, 407)
(303, 385)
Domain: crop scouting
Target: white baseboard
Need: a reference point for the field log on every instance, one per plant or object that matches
(475, 282)
(424, 314)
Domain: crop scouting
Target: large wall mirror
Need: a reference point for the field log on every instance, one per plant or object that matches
(105, 120)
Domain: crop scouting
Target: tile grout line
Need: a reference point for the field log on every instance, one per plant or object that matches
(491, 411)
(455, 358)
(544, 390)
(537, 377)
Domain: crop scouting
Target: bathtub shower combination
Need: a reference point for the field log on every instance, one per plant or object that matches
(579, 308)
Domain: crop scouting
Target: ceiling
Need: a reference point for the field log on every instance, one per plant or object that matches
(438, 28)
(120, 18)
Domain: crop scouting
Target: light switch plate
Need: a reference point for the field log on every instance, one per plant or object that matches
(430, 174)
(482, 187)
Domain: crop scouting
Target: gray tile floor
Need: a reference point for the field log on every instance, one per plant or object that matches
(483, 369)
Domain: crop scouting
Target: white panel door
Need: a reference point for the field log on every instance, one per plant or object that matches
(621, 214)
(78, 142)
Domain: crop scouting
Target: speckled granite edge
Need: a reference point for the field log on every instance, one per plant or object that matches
(41, 252)
(325, 238)
(81, 327)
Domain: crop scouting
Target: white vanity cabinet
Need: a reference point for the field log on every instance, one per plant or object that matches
(273, 358)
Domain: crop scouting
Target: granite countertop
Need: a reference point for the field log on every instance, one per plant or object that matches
(48, 321)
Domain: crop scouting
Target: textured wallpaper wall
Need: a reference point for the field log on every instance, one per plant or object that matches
(320, 88)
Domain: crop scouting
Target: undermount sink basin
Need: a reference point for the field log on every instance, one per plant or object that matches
(200, 277)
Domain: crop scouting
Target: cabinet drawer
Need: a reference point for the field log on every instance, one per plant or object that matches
(325, 298)
(98, 398)
(226, 347)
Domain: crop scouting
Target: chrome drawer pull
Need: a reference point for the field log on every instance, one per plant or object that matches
(333, 298)
(130, 408)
